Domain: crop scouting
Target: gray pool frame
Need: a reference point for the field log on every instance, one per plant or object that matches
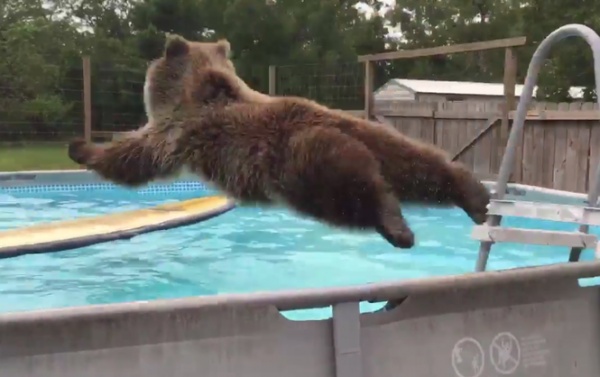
(534, 321)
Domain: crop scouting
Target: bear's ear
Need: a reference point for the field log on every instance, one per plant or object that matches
(224, 48)
(176, 46)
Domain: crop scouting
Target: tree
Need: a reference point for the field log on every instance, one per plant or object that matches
(38, 54)
(314, 44)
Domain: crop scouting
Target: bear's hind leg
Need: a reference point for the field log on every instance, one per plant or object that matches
(392, 225)
(429, 178)
(336, 179)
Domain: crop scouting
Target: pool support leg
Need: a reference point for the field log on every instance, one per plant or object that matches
(346, 340)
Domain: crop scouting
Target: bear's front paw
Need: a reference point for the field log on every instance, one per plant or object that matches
(477, 203)
(80, 151)
(470, 194)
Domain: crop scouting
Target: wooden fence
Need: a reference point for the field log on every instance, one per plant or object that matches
(560, 147)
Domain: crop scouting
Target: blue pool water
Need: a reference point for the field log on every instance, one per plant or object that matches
(244, 250)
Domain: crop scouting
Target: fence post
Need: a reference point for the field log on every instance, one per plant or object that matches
(272, 80)
(369, 88)
(87, 98)
(510, 81)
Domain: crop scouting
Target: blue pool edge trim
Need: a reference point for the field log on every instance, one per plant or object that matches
(75, 243)
(75, 180)
(80, 180)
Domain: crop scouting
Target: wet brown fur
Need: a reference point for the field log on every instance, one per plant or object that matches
(266, 150)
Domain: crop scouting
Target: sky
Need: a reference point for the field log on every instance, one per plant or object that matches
(388, 4)
(393, 32)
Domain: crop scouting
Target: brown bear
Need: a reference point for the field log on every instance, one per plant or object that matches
(322, 163)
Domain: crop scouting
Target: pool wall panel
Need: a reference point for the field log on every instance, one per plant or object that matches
(543, 323)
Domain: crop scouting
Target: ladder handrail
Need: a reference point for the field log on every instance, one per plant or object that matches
(541, 53)
(508, 159)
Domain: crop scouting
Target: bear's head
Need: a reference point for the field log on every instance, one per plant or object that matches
(171, 78)
(189, 72)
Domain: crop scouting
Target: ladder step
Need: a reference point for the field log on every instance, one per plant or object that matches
(533, 236)
(545, 211)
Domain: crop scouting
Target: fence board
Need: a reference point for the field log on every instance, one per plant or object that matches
(594, 150)
(483, 155)
(583, 152)
(428, 130)
(572, 154)
(560, 151)
(474, 126)
(528, 169)
(517, 175)
(483, 149)
(447, 130)
(461, 130)
(415, 126)
(537, 152)
(548, 151)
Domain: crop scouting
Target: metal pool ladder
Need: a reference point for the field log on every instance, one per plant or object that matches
(492, 232)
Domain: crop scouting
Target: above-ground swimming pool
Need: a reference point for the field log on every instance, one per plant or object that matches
(535, 321)
(245, 250)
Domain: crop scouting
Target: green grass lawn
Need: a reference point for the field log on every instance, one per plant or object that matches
(35, 156)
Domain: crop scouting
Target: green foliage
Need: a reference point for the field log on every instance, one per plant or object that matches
(314, 43)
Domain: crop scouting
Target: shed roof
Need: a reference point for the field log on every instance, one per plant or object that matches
(463, 87)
